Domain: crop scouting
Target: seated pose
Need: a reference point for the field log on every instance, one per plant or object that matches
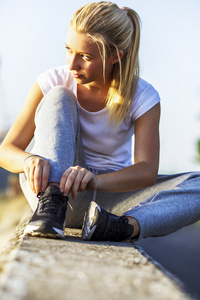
(82, 117)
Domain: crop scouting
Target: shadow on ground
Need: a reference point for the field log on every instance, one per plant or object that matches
(179, 253)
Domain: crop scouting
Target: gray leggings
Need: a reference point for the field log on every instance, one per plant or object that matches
(172, 203)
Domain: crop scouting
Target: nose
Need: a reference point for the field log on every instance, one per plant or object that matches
(73, 63)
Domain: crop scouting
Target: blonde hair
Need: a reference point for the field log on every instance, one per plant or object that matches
(114, 29)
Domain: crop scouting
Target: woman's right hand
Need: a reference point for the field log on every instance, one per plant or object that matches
(37, 171)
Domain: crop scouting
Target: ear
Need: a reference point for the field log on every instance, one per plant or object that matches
(116, 58)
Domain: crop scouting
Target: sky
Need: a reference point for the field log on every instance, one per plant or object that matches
(32, 37)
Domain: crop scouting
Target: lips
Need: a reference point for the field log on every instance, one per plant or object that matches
(76, 75)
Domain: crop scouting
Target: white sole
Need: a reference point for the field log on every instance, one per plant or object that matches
(32, 230)
(87, 232)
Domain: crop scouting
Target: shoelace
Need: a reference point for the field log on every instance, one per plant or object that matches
(117, 228)
(49, 206)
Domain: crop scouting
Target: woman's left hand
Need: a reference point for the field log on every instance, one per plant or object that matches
(77, 179)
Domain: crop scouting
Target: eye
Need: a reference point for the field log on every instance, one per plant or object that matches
(86, 57)
(68, 49)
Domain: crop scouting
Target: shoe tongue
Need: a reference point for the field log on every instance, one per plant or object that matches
(50, 190)
(53, 189)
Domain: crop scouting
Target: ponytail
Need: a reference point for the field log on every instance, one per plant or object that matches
(124, 83)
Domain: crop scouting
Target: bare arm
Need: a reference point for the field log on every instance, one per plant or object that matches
(12, 149)
(146, 158)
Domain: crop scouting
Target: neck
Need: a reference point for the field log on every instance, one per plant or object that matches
(92, 99)
(95, 91)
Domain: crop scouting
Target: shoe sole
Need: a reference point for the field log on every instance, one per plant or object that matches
(44, 232)
(87, 231)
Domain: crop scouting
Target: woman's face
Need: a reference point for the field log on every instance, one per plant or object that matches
(84, 60)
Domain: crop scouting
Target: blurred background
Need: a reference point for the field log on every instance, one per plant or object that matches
(32, 37)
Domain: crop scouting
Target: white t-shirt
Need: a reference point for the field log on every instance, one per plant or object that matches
(105, 147)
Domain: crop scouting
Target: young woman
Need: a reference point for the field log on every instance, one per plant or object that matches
(82, 117)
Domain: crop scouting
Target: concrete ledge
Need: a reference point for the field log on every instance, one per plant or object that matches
(36, 268)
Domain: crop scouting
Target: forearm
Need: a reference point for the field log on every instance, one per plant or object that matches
(12, 149)
(137, 176)
(12, 157)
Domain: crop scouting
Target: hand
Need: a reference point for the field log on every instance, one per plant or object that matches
(37, 172)
(77, 179)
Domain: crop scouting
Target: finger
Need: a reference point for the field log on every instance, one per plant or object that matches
(34, 170)
(37, 179)
(31, 172)
(45, 176)
(86, 179)
(69, 182)
(63, 179)
(77, 183)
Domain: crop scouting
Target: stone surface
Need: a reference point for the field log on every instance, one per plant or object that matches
(11, 210)
(37, 268)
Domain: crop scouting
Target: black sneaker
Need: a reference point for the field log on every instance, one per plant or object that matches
(100, 225)
(49, 217)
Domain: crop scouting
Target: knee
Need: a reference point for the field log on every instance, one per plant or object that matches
(60, 100)
(62, 94)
